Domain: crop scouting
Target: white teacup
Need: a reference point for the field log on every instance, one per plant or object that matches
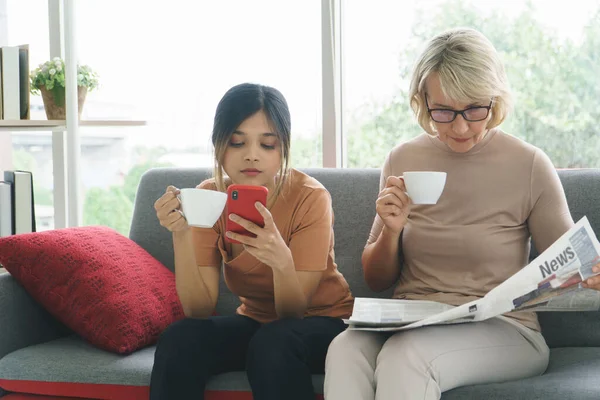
(202, 208)
(424, 187)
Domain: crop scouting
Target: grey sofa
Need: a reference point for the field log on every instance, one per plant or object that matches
(34, 347)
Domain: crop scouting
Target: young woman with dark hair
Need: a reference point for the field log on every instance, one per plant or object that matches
(292, 295)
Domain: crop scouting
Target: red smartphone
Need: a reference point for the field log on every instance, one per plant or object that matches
(241, 200)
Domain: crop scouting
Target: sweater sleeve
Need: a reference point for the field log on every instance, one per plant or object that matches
(550, 217)
(377, 227)
(311, 240)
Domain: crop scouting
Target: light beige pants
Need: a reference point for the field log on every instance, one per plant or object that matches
(422, 363)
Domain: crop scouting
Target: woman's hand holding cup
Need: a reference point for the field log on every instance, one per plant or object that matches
(393, 204)
(168, 211)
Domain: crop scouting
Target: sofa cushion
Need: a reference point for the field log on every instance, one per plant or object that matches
(99, 283)
(572, 374)
(72, 367)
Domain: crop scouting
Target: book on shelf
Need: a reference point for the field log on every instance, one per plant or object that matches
(14, 82)
(24, 85)
(11, 98)
(22, 202)
(1, 88)
(5, 209)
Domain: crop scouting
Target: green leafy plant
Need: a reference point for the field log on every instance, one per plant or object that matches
(51, 74)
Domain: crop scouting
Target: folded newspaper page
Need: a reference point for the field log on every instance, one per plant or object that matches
(551, 282)
(393, 312)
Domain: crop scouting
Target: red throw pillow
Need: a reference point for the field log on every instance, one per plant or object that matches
(99, 283)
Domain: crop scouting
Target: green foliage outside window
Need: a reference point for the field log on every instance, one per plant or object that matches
(556, 84)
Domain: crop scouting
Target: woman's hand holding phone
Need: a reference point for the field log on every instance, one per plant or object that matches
(240, 201)
(259, 234)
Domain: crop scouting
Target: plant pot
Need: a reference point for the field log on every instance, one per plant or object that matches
(54, 101)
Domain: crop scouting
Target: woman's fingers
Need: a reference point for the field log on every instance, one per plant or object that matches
(170, 194)
(168, 207)
(171, 218)
(248, 225)
(393, 196)
(388, 210)
(177, 224)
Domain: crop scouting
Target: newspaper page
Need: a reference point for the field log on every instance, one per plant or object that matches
(553, 279)
(387, 313)
(551, 282)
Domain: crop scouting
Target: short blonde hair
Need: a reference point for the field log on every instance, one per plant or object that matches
(469, 69)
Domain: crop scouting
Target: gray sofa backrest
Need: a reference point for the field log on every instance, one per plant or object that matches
(354, 192)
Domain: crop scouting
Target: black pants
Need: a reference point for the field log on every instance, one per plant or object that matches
(279, 357)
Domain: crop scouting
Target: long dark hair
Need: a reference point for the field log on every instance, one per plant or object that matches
(241, 102)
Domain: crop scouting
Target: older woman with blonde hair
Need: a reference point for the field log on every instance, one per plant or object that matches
(500, 192)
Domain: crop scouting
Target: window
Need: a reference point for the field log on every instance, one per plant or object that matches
(551, 51)
(170, 65)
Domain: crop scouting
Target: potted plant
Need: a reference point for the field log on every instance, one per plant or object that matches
(49, 80)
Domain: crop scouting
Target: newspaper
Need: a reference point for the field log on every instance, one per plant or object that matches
(551, 282)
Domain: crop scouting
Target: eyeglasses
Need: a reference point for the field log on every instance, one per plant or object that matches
(471, 114)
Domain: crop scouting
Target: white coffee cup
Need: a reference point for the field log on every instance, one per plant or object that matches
(424, 187)
(202, 208)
